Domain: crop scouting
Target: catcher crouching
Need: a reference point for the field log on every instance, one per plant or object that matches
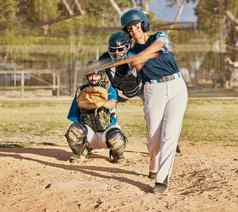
(94, 120)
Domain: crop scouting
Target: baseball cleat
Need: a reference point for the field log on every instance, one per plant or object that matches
(159, 188)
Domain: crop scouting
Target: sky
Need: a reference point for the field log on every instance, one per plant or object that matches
(168, 14)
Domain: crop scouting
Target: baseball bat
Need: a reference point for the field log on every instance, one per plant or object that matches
(106, 64)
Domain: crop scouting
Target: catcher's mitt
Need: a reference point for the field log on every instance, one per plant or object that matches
(92, 97)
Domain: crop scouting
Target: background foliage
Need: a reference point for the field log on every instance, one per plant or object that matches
(44, 31)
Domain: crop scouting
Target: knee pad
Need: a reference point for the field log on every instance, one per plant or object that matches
(116, 142)
(76, 137)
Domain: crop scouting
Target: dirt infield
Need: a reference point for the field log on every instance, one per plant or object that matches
(41, 179)
(37, 177)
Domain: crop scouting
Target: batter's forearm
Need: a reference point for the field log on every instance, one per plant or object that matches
(139, 63)
(150, 52)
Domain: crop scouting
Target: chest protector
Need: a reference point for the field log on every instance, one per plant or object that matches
(98, 119)
(125, 79)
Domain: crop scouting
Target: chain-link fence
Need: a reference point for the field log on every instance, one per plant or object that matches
(58, 69)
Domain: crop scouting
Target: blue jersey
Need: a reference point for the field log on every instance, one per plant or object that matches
(156, 68)
(74, 112)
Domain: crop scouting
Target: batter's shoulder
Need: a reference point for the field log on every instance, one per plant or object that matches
(157, 35)
(163, 36)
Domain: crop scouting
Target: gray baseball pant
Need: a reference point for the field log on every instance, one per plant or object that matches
(164, 107)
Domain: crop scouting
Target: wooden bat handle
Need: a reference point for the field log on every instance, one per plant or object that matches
(134, 59)
(99, 66)
(115, 64)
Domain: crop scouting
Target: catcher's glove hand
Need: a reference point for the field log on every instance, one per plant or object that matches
(92, 97)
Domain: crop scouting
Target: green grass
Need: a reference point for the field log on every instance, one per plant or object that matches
(213, 92)
(33, 122)
(211, 121)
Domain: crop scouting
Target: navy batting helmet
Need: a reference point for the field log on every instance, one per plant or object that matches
(134, 16)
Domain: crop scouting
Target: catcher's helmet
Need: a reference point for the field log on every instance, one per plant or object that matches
(118, 45)
(134, 16)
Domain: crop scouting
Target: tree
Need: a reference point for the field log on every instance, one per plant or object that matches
(210, 13)
(71, 7)
(40, 11)
(232, 22)
(7, 14)
(171, 3)
(214, 19)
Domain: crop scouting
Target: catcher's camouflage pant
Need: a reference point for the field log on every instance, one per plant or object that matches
(112, 138)
(78, 135)
(164, 107)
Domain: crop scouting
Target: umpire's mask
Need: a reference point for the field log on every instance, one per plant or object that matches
(118, 45)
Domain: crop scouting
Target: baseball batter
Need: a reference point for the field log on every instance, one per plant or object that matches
(165, 94)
